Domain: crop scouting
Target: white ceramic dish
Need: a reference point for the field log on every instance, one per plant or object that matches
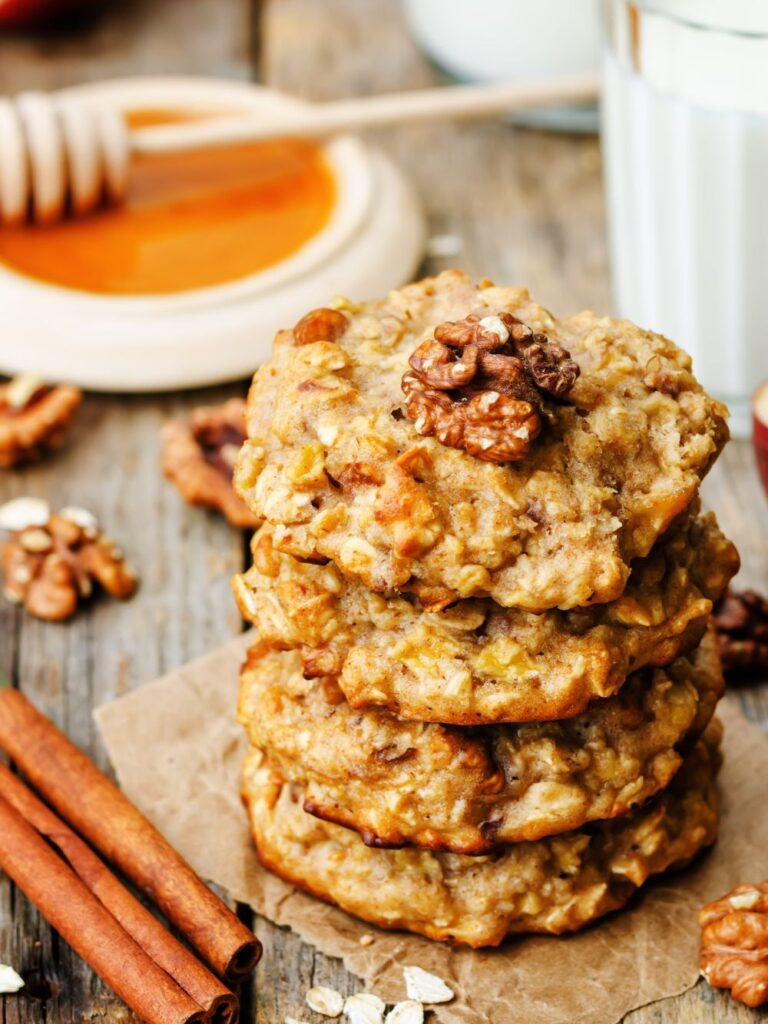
(472, 41)
(373, 242)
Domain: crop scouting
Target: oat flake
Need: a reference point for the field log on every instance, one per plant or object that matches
(326, 1001)
(409, 1011)
(364, 1008)
(425, 987)
(10, 981)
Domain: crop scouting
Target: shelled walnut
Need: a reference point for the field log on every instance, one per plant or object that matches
(480, 384)
(34, 418)
(199, 458)
(51, 562)
(741, 620)
(322, 324)
(734, 943)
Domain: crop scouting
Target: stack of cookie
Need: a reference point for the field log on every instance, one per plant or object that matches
(481, 700)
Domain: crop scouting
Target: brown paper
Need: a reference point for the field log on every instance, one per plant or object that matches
(177, 751)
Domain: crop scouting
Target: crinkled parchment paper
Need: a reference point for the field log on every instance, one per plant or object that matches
(177, 750)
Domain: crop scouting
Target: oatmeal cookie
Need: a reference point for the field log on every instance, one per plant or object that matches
(334, 461)
(553, 885)
(469, 790)
(475, 662)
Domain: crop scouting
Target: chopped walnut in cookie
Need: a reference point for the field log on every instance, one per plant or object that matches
(34, 418)
(741, 621)
(322, 324)
(199, 458)
(734, 943)
(480, 384)
(51, 562)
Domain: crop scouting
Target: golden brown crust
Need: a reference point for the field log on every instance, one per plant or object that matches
(475, 662)
(470, 790)
(340, 471)
(554, 885)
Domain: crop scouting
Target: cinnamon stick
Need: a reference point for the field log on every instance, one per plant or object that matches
(96, 808)
(88, 927)
(204, 988)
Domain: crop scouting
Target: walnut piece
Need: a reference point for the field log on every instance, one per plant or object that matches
(481, 384)
(320, 325)
(734, 943)
(741, 620)
(50, 568)
(199, 458)
(34, 418)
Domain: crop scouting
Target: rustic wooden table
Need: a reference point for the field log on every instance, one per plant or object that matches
(526, 208)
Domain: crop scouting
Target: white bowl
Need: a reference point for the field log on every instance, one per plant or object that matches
(372, 242)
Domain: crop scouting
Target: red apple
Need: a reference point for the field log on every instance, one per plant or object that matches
(760, 431)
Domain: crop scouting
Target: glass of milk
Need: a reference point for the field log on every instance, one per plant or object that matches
(513, 41)
(685, 141)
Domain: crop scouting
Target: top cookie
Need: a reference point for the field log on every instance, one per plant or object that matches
(602, 464)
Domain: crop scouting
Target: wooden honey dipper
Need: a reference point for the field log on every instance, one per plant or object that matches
(61, 157)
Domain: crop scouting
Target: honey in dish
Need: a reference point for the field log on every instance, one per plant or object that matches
(191, 220)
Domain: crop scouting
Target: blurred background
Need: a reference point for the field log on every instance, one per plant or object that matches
(684, 147)
(518, 205)
(684, 143)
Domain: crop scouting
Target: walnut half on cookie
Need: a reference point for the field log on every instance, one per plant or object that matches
(479, 384)
(34, 418)
(52, 562)
(199, 458)
(734, 943)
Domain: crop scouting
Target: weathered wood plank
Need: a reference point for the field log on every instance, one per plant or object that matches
(184, 556)
(525, 205)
